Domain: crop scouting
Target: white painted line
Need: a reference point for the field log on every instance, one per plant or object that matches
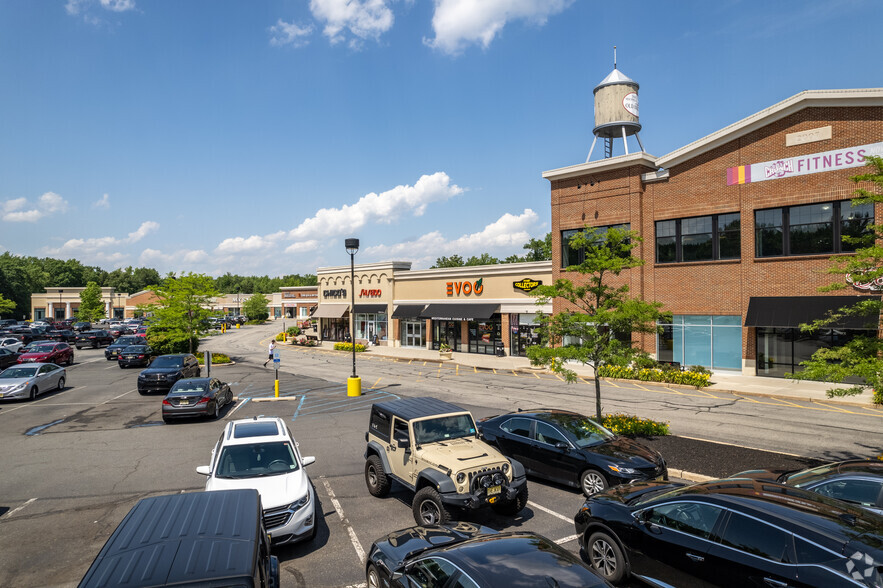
(742, 446)
(355, 540)
(550, 511)
(567, 539)
(15, 510)
(238, 406)
(115, 397)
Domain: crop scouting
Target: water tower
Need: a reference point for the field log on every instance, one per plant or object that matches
(616, 111)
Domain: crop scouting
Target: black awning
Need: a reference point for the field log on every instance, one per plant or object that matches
(363, 308)
(793, 311)
(408, 311)
(463, 311)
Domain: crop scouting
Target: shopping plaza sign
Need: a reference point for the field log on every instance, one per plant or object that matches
(465, 288)
(803, 164)
(526, 285)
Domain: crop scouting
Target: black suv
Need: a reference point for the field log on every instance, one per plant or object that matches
(113, 350)
(94, 339)
(730, 533)
(166, 370)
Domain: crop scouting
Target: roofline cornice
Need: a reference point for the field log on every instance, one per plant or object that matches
(602, 165)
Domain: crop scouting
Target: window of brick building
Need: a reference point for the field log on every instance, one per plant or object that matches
(574, 256)
(700, 238)
(810, 229)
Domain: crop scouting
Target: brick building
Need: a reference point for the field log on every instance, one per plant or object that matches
(738, 228)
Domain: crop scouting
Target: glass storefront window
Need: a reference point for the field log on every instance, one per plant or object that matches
(446, 332)
(780, 350)
(483, 336)
(714, 342)
(371, 326)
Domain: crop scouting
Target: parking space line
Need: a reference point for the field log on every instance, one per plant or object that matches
(18, 508)
(355, 540)
(115, 397)
(375, 384)
(237, 407)
(550, 511)
(567, 539)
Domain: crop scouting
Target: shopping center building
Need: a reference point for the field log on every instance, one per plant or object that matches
(485, 309)
(738, 228)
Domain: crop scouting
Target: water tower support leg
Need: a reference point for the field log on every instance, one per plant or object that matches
(625, 141)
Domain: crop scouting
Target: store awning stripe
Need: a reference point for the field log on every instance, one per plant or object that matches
(365, 308)
(330, 310)
(793, 311)
(408, 311)
(460, 311)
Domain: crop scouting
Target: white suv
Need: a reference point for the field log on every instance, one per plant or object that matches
(261, 453)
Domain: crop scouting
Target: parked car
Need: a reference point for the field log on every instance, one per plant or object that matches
(467, 556)
(192, 397)
(29, 380)
(136, 356)
(8, 357)
(65, 335)
(30, 346)
(48, 352)
(730, 533)
(7, 323)
(261, 453)
(141, 332)
(81, 326)
(859, 481)
(11, 343)
(94, 338)
(166, 370)
(119, 329)
(220, 542)
(572, 449)
(113, 350)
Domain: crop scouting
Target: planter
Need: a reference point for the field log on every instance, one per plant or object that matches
(446, 355)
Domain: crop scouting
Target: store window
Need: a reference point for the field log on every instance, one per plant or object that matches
(484, 336)
(714, 342)
(701, 238)
(525, 332)
(780, 350)
(575, 256)
(811, 229)
(371, 326)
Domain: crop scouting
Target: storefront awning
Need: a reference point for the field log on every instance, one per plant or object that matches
(364, 308)
(460, 311)
(408, 311)
(793, 311)
(331, 310)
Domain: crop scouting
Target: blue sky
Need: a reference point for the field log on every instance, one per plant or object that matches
(255, 136)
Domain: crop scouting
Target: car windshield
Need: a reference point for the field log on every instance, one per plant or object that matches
(442, 428)
(168, 362)
(20, 372)
(187, 386)
(256, 460)
(42, 348)
(586, 431)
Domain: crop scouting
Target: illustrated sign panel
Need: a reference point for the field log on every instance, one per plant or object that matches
(803, 164)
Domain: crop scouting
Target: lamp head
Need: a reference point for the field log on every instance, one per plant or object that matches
(352, 246)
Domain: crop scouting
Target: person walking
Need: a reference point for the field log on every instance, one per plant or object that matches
(272, 349)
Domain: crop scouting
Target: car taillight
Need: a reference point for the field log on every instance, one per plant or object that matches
(140, 357)
(166, 402)
(203, 400)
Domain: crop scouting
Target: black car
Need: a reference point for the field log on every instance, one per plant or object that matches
(572, 449)
(166, 370)
(113, 350)
(94, 338)
(463, 555)
(7, 358)
(81, 326)
(62, 335)
(730, 533)
(193, 397)
(136, 356)
(859, 481)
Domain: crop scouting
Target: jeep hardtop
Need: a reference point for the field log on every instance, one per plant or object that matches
(432, 447)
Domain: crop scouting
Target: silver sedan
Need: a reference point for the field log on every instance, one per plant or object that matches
(29, 380)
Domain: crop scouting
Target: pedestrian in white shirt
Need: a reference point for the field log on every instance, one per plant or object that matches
(272, 349)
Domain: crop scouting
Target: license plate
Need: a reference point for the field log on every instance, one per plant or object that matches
(183, 402)
(494, 490)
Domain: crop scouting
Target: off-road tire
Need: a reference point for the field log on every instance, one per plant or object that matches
(375, 478)
(512, 507)
(428, 508)
(605, 557)
(592, 482)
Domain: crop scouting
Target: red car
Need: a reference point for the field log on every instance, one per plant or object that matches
(48, 352)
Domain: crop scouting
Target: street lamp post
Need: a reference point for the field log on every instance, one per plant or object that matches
(354, 383)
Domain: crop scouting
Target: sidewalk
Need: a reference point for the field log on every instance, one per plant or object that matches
(722, 381)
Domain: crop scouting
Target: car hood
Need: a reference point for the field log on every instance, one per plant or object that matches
(465, 453)
(627, 493)
(275, 491)
(623, 449)
(35, 356)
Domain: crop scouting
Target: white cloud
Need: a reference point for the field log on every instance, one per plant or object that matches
(103, 202)
(48, 203)
(89, 8)
(383, 208)
(364, 19)
(459, 23)
(249, 244)
(183, 260)
(288, 33)
(118, 5)
(93, 245)
(303, 246)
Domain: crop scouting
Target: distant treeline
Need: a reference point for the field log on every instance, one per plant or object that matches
(22, 276)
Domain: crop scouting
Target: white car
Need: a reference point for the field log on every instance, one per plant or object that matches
(11, 343)
(261, 453)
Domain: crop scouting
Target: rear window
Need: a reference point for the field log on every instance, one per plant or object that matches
(380, 424)
(256, 429)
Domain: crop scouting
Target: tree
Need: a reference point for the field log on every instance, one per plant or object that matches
(539, 249)
(6, 306)
(91, 305)
(862, 356)
(256, 307)
(182, 312)
(483, 259)
(596, 330)
(452, 261)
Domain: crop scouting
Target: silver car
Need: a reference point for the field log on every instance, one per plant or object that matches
(29, 380)
(11, 343)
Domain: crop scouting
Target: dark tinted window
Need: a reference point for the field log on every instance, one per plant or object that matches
(431, 572)
(812, 229)
(380, 424)
(548, 434)
(517, 426)
(400, 430)
(757, 538)
(864, 492)
(808, 553)
(688, 517)
(701, 238)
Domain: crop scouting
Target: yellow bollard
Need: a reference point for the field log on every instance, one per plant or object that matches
(237, 325)
(354, 386)
(277, 388)
(285, 337)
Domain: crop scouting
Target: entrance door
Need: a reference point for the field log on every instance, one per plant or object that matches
(414, 334)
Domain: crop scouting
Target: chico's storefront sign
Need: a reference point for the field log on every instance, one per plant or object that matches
(339, 293)
(803, 164)
(465, 288)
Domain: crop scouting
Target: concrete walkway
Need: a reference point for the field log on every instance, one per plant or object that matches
(721, 381)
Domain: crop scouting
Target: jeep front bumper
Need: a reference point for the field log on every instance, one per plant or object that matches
(480, 498)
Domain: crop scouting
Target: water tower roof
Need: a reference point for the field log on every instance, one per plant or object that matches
(615, 77)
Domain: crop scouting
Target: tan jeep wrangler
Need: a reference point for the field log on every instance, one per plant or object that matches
(432, 447)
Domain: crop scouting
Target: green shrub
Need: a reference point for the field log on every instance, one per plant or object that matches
(293, 331)
(349, 347)
(217, 358)
(625, 424)
(668, 376)
(163, 344)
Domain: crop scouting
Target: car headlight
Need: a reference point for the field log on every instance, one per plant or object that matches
(505, 468)
(623, 470)
(21, 386)
(300, 503)
(499, 479)
(486, 481)
(461, 477)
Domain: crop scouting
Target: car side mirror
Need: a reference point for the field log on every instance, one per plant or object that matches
(204, 470)
(562, 445)
(403, 444)
(309, 460)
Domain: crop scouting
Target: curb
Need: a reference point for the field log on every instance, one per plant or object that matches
(802, 398)
(690, 476)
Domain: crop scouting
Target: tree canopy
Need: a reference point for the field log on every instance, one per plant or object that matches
(91, 306)
(256, 307)
(181, 315)
(537, 250)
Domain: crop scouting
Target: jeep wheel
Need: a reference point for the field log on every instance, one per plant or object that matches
(514, 506)
(428, 508)
(375, 478)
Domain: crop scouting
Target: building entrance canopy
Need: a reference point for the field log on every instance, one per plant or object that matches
(408, 311)
(793, 311)
(367, 308)
(331, 310)
(460, 312)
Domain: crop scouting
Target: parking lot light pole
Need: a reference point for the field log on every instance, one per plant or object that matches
(354, 383)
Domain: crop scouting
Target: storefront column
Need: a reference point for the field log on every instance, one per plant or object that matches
(429, 333)
(464, 336)
(506, 332)
(67, 310)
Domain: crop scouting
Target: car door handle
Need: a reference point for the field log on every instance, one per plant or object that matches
(695, 557)
(775, 583)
